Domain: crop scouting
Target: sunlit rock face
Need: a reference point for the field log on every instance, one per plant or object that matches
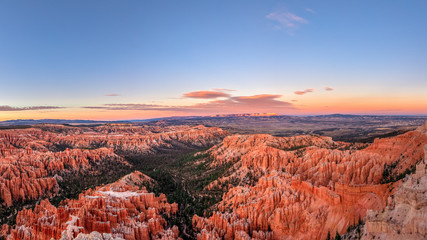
(298, 187)
(406, 214)
(30, 175)
(121, 210)
(31, 159)
(141, 139)
(303, 187)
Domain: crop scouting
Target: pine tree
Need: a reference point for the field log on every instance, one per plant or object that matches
(329, 236)
(337, 236)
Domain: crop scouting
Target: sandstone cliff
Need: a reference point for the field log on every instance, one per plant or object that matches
(142, 139)
(302, 187)
(121, 210)
(406, 214)
(30, 158)
(298, 187)
(29, 175)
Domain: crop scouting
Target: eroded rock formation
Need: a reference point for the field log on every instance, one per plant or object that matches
(303, 187)
(141, 139)
(298, 187)
(30, 158)
(406, 214)
(29, 175)
(121, 210)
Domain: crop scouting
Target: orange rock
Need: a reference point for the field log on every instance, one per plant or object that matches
(304, 186)
(27, 166)
(121, 208)
(143, 139)
(405, 215)
(29, 176)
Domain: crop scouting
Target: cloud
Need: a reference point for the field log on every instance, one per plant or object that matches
(246, 102)
(137, 107)
(6, 108)
(232, 104)
(310, 10)
(224, 89)
(254, 103)
(112, 95)
(309, 90)
(205, 94)
(287, 20)
(329, 89)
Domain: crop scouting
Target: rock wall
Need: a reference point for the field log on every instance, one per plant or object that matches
(121, 210)
(29, 175)
(406, 213)
(302, 187)
(30, 158)
(140, 140)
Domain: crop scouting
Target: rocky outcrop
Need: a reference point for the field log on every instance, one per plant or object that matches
(298, 187)
(121, 210)
(125, 137)
(406, 213)
(29, 158)
(34, 160)
(29, 175)
(143, 140)
(303, 187)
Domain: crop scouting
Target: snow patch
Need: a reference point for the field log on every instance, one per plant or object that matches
(121, 194)
(92, 197)
(68, 233)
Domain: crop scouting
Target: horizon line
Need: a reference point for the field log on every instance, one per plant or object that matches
(212, 115)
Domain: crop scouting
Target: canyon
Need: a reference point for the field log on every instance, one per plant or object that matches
(31, 159)
(157, 181)
(121, 210)
(305, 187)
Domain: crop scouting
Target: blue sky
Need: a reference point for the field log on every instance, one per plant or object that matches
(71, 54)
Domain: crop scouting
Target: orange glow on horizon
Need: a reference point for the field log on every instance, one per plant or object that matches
(310, 104)
(106, 115)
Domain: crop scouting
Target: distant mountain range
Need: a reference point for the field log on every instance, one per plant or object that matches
(89, 122)
(78, 121)
(19, 122)
(48, 121)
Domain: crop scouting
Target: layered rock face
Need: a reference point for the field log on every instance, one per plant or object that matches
(30, 158)
(29, 175)
(121, 210)
(275, 187)
(28, 168)
(142, 139)
(406, 214)
(302, 187)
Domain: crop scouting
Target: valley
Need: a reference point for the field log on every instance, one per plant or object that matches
(196, 182)
(213, 120)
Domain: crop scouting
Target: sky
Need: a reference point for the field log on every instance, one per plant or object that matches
(117, 60)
